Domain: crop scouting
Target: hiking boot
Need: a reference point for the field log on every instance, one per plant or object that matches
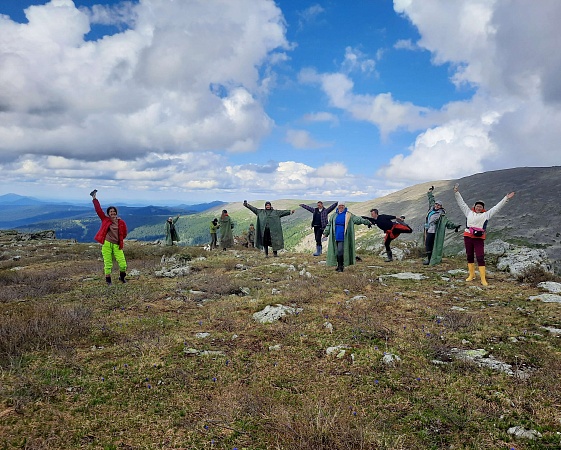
(108, 280)
(122, 276)
(389, 258)
(92, 193)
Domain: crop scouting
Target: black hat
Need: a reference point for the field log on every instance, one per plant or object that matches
(479, 202)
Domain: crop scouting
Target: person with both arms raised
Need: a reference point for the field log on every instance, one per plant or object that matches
(319, 222)
(475, 232)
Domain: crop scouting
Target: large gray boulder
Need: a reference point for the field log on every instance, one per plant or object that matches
(517, 260)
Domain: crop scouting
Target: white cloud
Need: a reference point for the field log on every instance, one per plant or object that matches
(508, 50)
(322, 117)
(145, 89)
(381, 110)
(405, 44)
(356, 61)
(301, 139)
(444, 152)
(203, 176)
(310, 14)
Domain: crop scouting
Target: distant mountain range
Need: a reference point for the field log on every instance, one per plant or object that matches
(531, 218)
(71, 221)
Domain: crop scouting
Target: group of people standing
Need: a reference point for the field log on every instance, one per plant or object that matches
(337, 229)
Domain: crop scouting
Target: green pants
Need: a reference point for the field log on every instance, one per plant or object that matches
(108, 250)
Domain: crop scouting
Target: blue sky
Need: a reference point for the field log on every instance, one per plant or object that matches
(165, 101)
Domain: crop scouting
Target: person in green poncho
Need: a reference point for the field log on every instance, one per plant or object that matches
(341, 233)
(436, 224)
(268, 228)
(171, 232)
(226, 227)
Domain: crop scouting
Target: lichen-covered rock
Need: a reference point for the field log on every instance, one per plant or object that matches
(272, 313)
(519, 259)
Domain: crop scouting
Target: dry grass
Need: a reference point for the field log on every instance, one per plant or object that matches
(87, 366)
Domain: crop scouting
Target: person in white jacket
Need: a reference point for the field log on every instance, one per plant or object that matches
(474, 233)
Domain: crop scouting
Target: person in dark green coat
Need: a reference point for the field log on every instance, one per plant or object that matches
(171, 231)
(226, 227)
(341, 232)
(436, 224)
(268, 228)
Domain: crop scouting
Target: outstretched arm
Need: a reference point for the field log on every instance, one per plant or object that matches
(359, 220)
(371, 221)
(251, 208)
(332, 207)
(306, 207)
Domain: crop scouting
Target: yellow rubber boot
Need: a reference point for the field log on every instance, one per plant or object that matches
(471, 268)
(482, 275)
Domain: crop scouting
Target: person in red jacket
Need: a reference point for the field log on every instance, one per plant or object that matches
(111, 235)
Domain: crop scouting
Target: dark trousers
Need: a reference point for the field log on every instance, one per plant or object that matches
(387, 243)
(429, 242)
(267, 242)
(318, 233)
(340, 248)
(475, 246)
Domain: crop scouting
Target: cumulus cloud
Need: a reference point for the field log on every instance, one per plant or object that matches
(194, 176)
(301, 139)
(506, 51)
(381, 110)
(405, 44)
(144, 89)
(321, 117)
(355, 60)
(310, 14)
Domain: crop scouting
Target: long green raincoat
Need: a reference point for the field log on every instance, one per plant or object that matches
(443, 224)
(171, 232)
(349, 249)
(272, 219)
(226, 234)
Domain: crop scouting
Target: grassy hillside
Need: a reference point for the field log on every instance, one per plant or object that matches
(181, 363)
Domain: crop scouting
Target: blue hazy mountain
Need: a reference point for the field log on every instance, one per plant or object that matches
(79, 221)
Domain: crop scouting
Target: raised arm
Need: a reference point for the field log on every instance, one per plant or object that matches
(460, 201)
(430, 196)
(495, 209)
(332, 207)
(98, 209)
(251, 208)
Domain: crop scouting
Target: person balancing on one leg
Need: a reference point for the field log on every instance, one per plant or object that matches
(393, 226)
